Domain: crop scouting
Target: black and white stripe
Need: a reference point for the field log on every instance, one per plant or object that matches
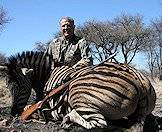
(20, 84)
(107, 91)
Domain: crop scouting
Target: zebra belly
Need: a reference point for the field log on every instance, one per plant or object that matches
(113, 102)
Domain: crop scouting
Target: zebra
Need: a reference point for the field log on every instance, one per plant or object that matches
(19, 84)
(37, 66)
(109, 91)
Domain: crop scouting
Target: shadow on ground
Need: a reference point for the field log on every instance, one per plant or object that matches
(152, 124)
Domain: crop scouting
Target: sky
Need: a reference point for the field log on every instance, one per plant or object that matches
(38, 20)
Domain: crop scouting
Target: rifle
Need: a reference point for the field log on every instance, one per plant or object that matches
(25, 114)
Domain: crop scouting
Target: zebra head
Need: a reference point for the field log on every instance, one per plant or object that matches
(26, 71)
(19, 85)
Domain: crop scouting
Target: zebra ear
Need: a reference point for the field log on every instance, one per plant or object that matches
(26, 71)
(29, 71)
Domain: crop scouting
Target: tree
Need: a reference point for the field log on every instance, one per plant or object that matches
(152, 55)
(39, 46)
(3, 18)
(157, 27)
(3, 59)
(125, 35)
(131, 35)
(99, 36)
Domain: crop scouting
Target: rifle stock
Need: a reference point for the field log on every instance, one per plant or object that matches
(25, 114)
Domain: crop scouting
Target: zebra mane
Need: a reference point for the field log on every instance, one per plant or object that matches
(23, 58)
(40, 62)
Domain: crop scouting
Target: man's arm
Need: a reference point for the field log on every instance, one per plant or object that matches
(85, 54)
(53, 49)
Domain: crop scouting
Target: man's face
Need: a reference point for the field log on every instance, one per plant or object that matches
(67, 28)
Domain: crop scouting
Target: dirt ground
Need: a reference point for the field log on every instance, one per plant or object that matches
(17, 126)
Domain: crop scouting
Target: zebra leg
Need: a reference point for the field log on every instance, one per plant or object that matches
(94, 121)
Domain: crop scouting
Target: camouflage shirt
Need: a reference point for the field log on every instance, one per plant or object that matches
(70, 52)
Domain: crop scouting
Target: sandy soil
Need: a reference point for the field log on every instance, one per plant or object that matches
(5, 104)
(158, 88)
(5, 97)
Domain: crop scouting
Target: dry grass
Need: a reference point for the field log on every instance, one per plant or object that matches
(5, 96)
(158, 88)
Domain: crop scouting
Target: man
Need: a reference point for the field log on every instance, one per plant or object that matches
(69, 49)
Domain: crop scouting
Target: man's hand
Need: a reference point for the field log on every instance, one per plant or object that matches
(26, 107)
(80, 64)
